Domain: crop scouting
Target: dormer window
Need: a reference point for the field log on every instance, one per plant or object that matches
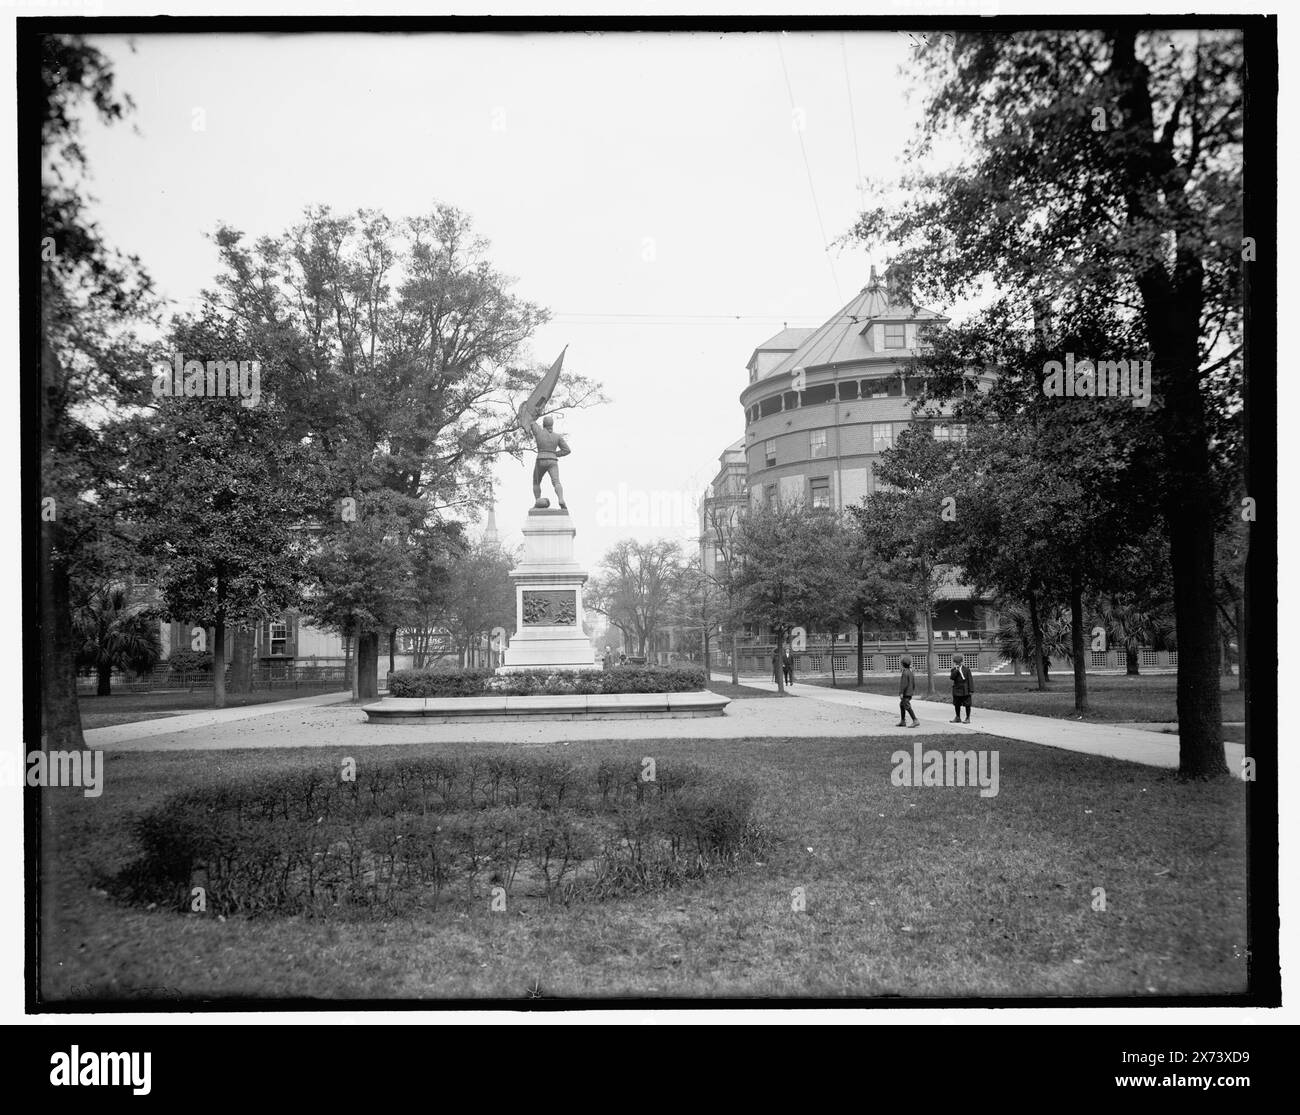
(895, 336)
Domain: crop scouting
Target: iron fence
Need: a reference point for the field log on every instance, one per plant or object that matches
(265, 675)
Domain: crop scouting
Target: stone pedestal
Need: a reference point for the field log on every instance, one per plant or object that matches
(548, 599)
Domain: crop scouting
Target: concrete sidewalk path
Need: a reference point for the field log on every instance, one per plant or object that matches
(811, 711)
(114, 735)
(1092, 737)
(346, 725)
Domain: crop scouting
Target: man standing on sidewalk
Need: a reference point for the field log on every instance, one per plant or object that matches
(963, 685)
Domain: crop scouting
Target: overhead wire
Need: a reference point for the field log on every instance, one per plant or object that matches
(808, 168)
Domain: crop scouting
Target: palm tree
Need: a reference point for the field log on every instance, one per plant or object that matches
(1132, 626)
(116, 634)
(1015, 637)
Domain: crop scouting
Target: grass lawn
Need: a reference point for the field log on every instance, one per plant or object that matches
(127, 708)
(738, 692)
(1111, 697)
(909, 892)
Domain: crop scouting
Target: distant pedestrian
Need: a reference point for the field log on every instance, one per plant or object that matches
(609, 659)
(906, 687)
(622, 658)
(787, 665)
(963, 685)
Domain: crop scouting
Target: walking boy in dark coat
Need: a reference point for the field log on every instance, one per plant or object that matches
(963, 685)
(906, 687)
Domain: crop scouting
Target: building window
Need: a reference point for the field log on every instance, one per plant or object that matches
(769, 452)
(769, 406)
(895, 336)
(277, 636)
(769, 493)
(882, 436)
(790, 399)
(822, 393)
(848, 390)
(821, 491)
(875, 388)
(719, 555)
(946, 432)
(817, 443)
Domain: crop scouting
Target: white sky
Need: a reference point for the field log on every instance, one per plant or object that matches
(615, 148)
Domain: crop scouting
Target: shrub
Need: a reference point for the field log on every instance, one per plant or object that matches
(529, 683)
(439, 683)
(185, 661)
(409, 830)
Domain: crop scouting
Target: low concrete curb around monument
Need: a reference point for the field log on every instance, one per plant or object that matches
(567, 706)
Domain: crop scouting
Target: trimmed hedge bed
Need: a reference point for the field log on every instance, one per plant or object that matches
(535, 683)
(408, 832)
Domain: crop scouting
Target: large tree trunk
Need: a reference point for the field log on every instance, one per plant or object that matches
(1171, 306)
(60, 716)
(241, 660)
(350, 663)
(368, 666)
(1131, 661)
(929, 651)
(219, 663)
(1241, 644)
(104, 683)
(1078, 643)
(1036, 635)
(392, 651)
(61, 730)
(1191, 532)
(735, 663)
(777, 671)
(859, 655)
